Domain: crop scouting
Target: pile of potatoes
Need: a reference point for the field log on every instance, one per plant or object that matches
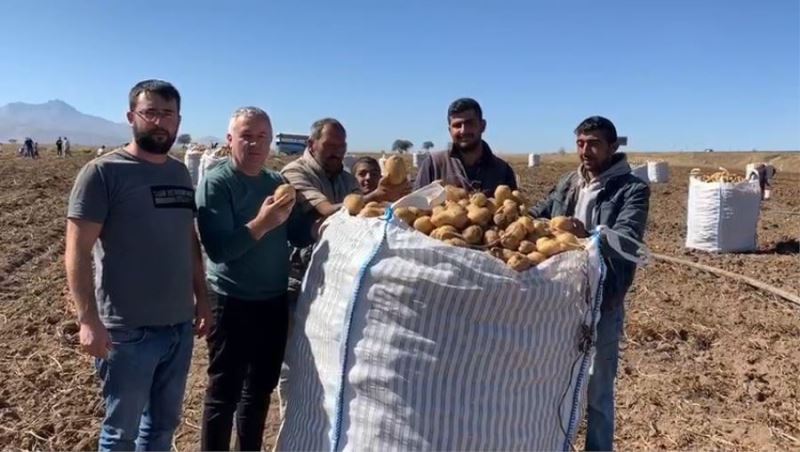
(500, 225)
(720, 176)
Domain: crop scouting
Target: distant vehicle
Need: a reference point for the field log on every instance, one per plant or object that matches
(290, 144)
(708, 150)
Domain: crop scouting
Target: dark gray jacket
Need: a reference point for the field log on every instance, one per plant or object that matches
(448, 166)
(622, 205)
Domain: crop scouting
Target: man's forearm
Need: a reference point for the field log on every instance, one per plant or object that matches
(81, 285)
(198, 274)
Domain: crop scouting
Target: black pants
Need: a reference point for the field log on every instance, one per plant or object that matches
(245, 349)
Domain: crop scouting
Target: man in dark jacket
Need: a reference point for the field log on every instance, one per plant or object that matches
(603, 192)
(469, 163)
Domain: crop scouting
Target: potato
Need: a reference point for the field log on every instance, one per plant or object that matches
(509, 242)
(479, 200)
(542, 227)
(405, 214)
(491, 205)
(517, 196)
(473, 235)
(547, 246)
(478, 215)
(424, 225)
(567, 238)
(536, 258)
(502, 253)
(530, 226)
(463, 202)
(396, 172)
(516, 230)
(526, 247)
(510, 204)
(416, 211)
(567, 224)
(491, 236)
(502, 193)
(372, 204)
(455, 215)
(284, 190)
(372, 212)
(519, 262)
(455, 194)
(455, 241)
(353, 203)
(445, 232)
(500, 220)
(437, 209)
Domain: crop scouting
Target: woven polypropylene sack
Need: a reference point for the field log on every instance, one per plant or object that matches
(723, 217)
(401, 342)
(658, 172)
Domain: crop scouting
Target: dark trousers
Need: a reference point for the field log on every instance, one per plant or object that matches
(245, 349)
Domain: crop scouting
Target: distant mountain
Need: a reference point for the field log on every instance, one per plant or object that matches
(48, 121)
(208, 139)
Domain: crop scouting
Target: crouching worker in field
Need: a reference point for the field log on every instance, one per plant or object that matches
(133, 209)
(368, 173)
(603, 192)
(246, 221)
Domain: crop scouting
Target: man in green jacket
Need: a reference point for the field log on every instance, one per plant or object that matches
(246, 233)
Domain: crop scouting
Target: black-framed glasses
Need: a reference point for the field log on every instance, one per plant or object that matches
(152, 115)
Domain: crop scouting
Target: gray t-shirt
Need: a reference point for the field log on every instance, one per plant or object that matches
(143, 257)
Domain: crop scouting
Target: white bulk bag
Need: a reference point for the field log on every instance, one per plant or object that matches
(401, 342)
(211, 158)
(641, 172)
(192, 161)
(534, 160)
(658, 172)
(722, 217)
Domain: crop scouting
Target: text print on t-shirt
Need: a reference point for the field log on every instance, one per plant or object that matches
(172, 197)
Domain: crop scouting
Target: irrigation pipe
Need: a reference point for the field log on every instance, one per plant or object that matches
(790, 297)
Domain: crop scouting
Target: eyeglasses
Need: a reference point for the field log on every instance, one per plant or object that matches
(154, 115)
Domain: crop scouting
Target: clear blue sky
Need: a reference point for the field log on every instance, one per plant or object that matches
(672, 74)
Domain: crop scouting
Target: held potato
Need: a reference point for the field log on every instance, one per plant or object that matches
(354, 203)
(396, 172)
(284, 190)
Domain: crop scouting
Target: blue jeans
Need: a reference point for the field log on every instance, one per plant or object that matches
(600, 411)
(143, 381)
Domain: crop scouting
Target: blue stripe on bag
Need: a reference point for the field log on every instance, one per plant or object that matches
(598, 300)
(336, 427)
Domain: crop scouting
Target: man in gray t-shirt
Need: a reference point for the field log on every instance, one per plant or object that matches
(132, 213)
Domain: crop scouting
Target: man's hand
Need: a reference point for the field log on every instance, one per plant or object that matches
(273, 213)
(203, 318)
(389, 193)
(95, 339)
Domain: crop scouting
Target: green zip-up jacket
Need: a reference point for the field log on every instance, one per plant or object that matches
(240, 266)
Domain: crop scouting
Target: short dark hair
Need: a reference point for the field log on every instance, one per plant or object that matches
(593, 123)
(316, 128)
(160, 87)
(365, 161)
(462, 105)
